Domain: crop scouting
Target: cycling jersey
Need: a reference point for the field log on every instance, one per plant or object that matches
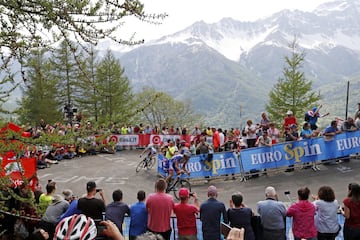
(175, 159)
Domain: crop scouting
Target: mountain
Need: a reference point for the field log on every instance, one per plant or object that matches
(228, 64)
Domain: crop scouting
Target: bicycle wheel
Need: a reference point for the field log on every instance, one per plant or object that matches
(182, 183)
(150, 162)
(140, 165)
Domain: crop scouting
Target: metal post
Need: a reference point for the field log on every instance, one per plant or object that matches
(347, 100)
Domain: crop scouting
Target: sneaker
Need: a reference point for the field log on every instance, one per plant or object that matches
(314, 168)
(317, 168)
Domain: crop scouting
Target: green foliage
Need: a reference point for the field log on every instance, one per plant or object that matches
(65, 71)
(161, 109)
(292, 91)
(114, 89)
(39, 93)
(26, 24)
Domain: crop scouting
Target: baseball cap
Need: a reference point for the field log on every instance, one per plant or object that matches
(90, 185)
(289, 113)
(184, 192)
(293, 126)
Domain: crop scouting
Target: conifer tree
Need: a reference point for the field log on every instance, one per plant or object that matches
(292, 91)
(38, 101)
(114, 90)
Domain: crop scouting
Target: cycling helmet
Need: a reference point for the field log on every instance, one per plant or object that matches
(187, 154)
(77, 227)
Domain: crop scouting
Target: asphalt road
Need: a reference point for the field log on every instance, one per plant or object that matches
(117, 171)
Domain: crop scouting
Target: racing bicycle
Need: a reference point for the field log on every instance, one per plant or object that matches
(177, 183)
(147, 163)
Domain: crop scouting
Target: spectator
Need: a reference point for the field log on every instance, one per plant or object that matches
(274, 133)
(209, 132)
(264, 140)
(289, 120)
(357, 121)
(116, 210)
(303, 213)
(222, 138)
(250, 131)
(211, 212)
(138, 217)
(215, 139)
(331, 131)
(196, 131)
(357, 113)
(72, 209)
(272, 213)
(52, 214)
(312, 117)
(352, 213)
(264, 122)
(348, 125)
(46, 198)
(91, 206)
(171, 150)
(307, 133)
(326, 220)
(291, 135)
(240, 216)
(159, 206)
(186, 215)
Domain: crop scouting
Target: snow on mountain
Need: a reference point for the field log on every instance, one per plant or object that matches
(336, 6)
(235, 39)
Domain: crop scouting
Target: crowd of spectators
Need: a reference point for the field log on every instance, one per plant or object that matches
(316, 219)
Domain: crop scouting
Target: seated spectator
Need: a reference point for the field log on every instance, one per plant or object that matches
(46, 198)
(53, 212)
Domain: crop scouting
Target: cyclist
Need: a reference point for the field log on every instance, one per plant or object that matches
(173, 165)
(151, 152)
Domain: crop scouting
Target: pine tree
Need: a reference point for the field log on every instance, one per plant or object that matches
(66, 62)
(89, 96)
(38, 100)
(113, 87)
(292, 91)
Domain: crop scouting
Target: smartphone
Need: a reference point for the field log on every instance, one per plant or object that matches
(225, 229)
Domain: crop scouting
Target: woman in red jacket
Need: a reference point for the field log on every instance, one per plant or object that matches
(303, 213)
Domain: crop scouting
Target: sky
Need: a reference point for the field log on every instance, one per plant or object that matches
(183, 13)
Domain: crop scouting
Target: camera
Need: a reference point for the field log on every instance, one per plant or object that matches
(191, 194)
(98, 190)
